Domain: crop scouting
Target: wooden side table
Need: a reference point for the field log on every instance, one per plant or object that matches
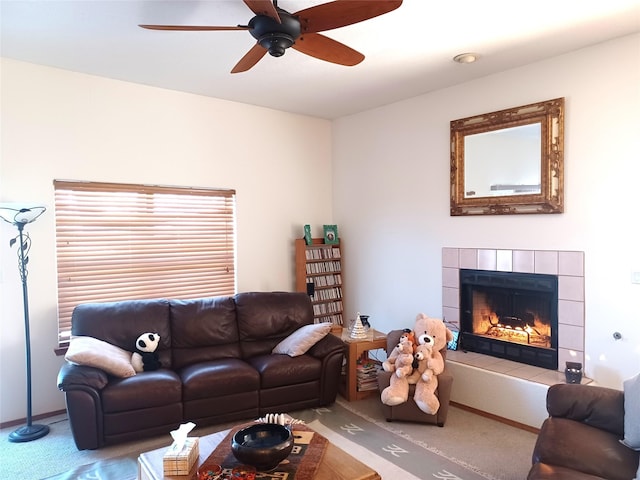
(356, 348)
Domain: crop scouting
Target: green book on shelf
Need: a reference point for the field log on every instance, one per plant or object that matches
(331, 234)
(307, 234)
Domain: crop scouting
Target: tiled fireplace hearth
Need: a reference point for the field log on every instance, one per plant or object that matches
(478, 378)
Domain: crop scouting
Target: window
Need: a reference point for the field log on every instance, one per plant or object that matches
(124, 242)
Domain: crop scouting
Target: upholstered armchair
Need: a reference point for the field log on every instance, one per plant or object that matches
(581, 437)
(409, 411)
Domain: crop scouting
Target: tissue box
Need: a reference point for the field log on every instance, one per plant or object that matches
(180, 462)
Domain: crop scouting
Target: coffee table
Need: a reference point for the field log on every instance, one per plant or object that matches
(336, 464)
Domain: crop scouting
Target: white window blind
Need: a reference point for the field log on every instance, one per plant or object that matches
(124, 242)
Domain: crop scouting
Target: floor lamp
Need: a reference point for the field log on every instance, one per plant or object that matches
(19, 216)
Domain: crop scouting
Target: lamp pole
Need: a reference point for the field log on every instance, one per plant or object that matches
(30, 431)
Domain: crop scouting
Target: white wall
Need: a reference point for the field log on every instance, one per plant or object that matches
(62, 125)
(390, 184)
(391, 196)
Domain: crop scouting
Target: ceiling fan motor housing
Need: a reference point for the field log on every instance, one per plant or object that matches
(273, 36)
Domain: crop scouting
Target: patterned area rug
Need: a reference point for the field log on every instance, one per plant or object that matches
(121, 468)
(380, 445)
(389, 451)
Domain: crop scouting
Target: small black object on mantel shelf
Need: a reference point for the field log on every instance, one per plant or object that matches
(573, 372)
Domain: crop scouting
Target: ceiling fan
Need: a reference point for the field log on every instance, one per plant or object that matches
(276, 29)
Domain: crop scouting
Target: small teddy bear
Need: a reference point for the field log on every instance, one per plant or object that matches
(398, 390)
(427, 381)
(404, 360)
(423, 354)
(145, 358)
(389, 365)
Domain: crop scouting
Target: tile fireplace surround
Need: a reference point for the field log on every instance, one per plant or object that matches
(513, 390)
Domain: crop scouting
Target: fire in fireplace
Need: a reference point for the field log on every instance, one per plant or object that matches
(510, 315)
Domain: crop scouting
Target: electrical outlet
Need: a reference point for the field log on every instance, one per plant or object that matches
(635, 277)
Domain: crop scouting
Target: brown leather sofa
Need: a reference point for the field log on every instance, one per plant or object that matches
(409, 411)
(581, 437)
(217, 365)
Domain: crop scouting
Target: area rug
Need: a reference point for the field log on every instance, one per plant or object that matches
(120, 468)
(389, 451)
(380, 445)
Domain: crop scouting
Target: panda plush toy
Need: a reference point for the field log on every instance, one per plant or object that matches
(145, 358)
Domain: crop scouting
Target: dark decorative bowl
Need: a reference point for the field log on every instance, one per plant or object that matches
(263, 445)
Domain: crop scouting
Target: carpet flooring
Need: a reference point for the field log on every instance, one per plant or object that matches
(468, 447)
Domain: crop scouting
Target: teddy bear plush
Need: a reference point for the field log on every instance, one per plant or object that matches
(389, 365)
(404, 361)
(398, 390)
(421, 356)
(426, 381)
(145, 358)
(432, 335)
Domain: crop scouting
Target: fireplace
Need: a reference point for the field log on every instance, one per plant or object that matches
(510, 315)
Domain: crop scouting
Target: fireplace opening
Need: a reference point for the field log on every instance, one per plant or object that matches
(510, 315)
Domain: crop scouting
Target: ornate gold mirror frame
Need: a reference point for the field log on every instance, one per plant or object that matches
(509, 162)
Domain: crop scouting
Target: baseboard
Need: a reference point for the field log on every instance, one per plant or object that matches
(497, 418)
(22, 421)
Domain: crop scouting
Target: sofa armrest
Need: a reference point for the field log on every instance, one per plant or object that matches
(71, 376)
(597, 407)
(329, 345)
(579, 447)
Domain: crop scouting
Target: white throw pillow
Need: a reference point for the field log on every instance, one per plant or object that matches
(97, 353)
(632, 413)
(303, 339)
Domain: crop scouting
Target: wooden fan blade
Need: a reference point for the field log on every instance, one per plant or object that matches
(263, 7)
(191, 27)
(252, 57)
(339, 13)
(327, 49)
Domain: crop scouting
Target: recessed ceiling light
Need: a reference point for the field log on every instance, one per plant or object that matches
(466, 58)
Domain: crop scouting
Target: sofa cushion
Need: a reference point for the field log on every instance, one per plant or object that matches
(577, 446)
(203, 330)
(632, 413)
(218, 378)
(300, 341)
(96, 353)
(266, 318)
(279, 370)
(543, 471)
(121, 323)
(598, 407)
(145, 390)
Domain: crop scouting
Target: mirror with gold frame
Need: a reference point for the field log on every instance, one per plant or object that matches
(509, 162)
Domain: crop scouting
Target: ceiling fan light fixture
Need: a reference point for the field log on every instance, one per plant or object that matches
(274, 36)
(466, 58)
(276, 43)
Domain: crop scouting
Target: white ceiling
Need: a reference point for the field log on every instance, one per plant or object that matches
(408, 52)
